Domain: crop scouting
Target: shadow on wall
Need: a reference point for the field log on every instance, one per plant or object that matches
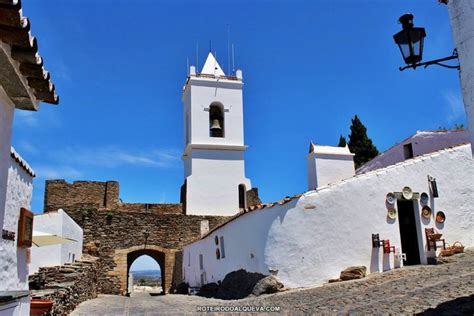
(279, 219)
(374, 260)
(22, 270)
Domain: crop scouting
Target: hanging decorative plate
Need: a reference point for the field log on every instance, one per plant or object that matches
(424, 198)
(440, 217)
(218, 254)
(407, 193)
(390, 198)
(392, 213)
(426, 211)
(216, 240)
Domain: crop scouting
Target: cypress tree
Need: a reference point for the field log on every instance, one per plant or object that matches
(342, 141)
(360, 144)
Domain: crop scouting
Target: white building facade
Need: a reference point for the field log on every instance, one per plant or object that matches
(13, 258)
(461, 15)
(308, 239)
(420, 143)
(215, 182)
(56, 223)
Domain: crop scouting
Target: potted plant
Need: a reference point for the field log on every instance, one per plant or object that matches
(40, 306)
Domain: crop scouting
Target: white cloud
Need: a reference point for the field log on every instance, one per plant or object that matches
(26, 147)
(27, 118)
(56, 172)
(111, 156)
(455, 105)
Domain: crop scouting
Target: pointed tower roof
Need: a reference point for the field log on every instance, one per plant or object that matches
(212, 67)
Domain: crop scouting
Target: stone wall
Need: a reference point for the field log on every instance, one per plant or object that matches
(113, 234)
(118, 233)
(60, 194)
(67, 285)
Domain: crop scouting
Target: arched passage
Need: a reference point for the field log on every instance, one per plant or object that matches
(124, 258)
(144, 271)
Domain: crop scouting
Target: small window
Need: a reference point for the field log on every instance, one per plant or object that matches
(242, 192)
(189, 259)
(408, 151)
(216, 121)
(201, 263)
(73, 257)
(222, 248)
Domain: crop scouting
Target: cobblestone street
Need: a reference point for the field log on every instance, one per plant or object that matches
(448, 287)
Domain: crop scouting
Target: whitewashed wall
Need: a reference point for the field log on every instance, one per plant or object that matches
(61, 224)
(212, 187)
(6, 120)
(310, 240)
(461, 14)
(14, 269)
(328, 164)
(423, 142)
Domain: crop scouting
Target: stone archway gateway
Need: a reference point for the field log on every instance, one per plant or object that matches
(124, 258)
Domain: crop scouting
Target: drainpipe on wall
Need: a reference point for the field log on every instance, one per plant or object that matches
(461, 16)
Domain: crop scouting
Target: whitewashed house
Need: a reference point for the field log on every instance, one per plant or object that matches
(215, 182)
(57, 223)
(23, 85)
(420, 143)
(13, 256)
(308, 239)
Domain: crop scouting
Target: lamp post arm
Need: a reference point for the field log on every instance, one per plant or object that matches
(435, 62)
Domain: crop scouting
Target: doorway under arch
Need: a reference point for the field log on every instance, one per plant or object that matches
(124, 258)
(144, 275)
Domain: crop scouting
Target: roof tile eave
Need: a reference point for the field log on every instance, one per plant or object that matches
(15, 32)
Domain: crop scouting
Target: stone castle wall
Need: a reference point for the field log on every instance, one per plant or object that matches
(118, 232)
(103, 195)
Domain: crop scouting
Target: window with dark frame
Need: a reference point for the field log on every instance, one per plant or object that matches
(222, 248)
(408, 151)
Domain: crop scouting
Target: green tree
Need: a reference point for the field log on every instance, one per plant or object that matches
(342, 141)
(360, 144)
(141, 281)
(459, 127)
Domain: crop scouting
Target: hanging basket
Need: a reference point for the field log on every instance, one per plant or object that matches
(457, 247)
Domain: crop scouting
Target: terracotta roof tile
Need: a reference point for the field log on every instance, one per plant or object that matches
(15, 31)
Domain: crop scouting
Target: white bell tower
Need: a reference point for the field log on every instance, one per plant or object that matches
(215, 182)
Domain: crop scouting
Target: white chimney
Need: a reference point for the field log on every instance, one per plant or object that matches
(329, 165)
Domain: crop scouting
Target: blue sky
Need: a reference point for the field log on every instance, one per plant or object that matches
(309, 66)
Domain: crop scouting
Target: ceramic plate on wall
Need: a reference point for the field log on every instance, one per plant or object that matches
(407, 193)
(424, 198)
(426, 211)
(392, 213)
(390, 198)
(440, 217)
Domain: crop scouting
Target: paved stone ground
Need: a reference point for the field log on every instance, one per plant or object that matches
(445, 289)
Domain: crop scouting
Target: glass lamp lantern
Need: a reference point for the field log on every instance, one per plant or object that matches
(410, 40)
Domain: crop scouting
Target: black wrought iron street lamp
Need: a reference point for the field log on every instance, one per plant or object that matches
(410, 41)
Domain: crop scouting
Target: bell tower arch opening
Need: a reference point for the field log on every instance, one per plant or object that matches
(216, 120)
